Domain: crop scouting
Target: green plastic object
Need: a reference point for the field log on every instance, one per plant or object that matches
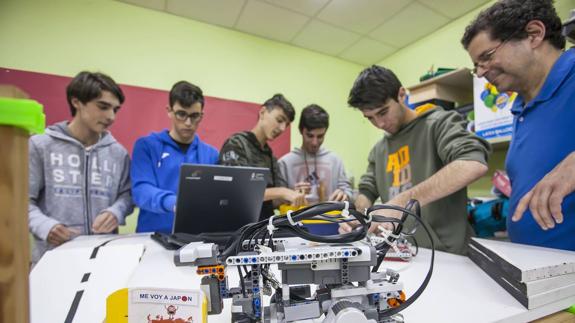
(431, 74)
(21, 113)
(571, 309)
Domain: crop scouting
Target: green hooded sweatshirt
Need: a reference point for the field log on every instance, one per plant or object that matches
(416, 152)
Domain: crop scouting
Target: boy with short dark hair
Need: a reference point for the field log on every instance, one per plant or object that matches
(79, 174)
(157, 159)
(426, 154)
(313, 169)
(250, 148)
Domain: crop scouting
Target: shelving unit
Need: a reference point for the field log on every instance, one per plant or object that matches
(500, 143)
(455, 86)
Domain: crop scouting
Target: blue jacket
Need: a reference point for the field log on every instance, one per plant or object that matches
(155, 172)
(543, 135)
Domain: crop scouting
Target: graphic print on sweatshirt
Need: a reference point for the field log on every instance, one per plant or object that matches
(319, 178)
(67, 171)
(398, 164)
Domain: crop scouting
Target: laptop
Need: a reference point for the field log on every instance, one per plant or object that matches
(218, 199)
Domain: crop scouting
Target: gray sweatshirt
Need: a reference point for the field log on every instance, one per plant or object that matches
(71, 185)
(297, 166)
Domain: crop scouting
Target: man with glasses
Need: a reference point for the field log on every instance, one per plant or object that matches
(517, 45)
(158, 156)
(426, 154)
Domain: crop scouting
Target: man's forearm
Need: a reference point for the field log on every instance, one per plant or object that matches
(451, 178)
(362, 202)
(274, 193)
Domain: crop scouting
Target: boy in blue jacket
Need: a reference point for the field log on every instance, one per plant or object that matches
(158, 156)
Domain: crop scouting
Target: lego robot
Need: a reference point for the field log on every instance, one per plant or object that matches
(344, 268)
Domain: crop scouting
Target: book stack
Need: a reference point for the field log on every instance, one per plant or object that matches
(535, 276)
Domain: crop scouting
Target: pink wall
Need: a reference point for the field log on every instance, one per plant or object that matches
(144, 110)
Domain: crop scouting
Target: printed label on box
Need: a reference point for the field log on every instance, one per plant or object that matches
(152, 305)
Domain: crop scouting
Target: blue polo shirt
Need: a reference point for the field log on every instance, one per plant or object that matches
(543, 135)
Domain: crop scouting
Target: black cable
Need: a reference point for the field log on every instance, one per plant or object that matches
(423, 286)
(312, 212)
(384, 247)
(416, 246)
(251, 231)
(242, 281)
(259, 229)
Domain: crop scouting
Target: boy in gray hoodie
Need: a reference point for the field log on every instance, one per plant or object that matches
(79, 174)
(313, 169)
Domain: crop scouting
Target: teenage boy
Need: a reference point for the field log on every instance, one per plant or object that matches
(250, 148)
(517, 45)
(313, 169)
(426, 154)
(79, 174)
(158, 156)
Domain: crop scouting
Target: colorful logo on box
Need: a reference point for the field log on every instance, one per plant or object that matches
(494, 100)
(171, 310)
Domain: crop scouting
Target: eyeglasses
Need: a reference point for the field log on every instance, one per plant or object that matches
(182, 115)
(485, 58)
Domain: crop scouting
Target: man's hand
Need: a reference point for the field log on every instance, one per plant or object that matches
(361, 203)
(349, 226)
(545, 199)
(338, 196)
(374, 227)
(105, 222)
(296, 198)
(303, 187)
(60, 234)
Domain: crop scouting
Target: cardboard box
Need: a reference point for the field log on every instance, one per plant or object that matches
(11, 91)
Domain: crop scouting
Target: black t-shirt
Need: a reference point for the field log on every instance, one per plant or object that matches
(184, 147)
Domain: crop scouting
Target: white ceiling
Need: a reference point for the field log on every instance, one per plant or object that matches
(360, 31)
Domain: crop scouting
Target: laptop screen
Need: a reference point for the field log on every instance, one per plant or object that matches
(215, 198)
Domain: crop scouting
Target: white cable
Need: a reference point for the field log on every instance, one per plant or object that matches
(369, 217)
(387, 233)
(345, 211)
(395, 248)
(270, 226)
(291, 221)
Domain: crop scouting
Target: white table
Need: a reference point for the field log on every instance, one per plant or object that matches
(459, 291)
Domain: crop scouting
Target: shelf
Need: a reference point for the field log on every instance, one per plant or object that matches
(499, 143)
(455, 86)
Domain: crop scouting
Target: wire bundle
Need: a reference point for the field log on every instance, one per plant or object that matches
(260, 232)
(291, 222)
(412, 209)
